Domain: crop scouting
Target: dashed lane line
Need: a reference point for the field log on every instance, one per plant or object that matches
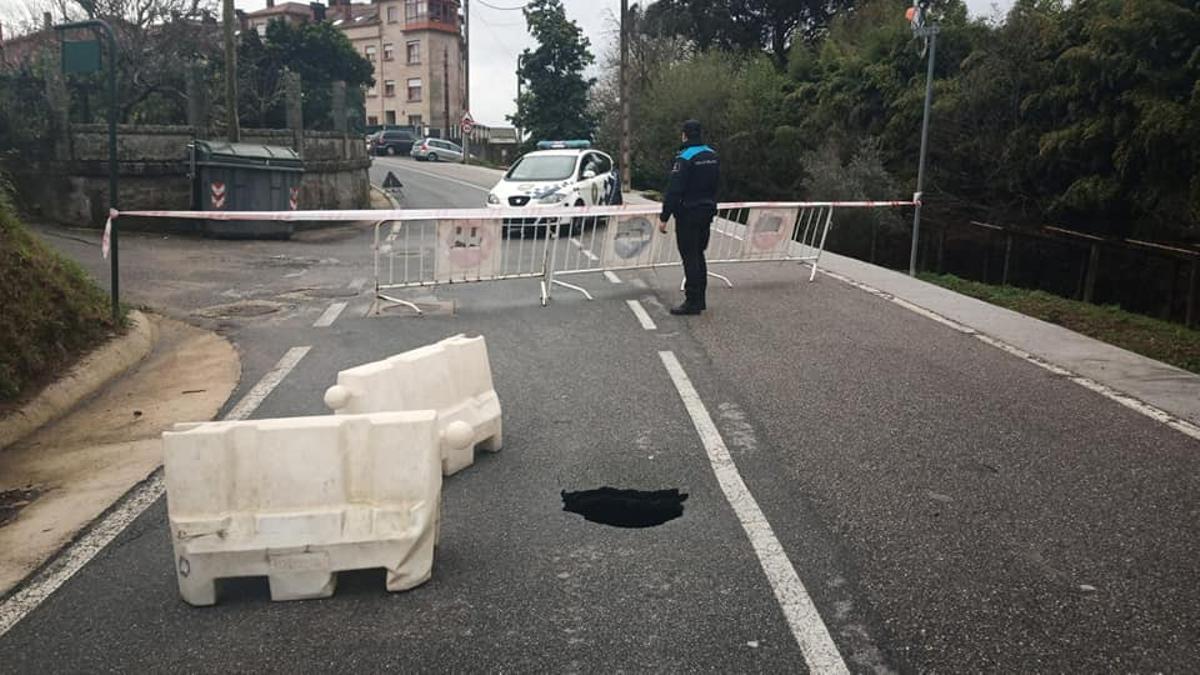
(331, 313)
(642, 316)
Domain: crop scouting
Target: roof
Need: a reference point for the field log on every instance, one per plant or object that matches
(283, 8)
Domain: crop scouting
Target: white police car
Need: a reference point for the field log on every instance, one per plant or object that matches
(558, 173)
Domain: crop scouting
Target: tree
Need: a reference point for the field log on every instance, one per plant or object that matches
(319, 52)
(554, 99)
(745, 25)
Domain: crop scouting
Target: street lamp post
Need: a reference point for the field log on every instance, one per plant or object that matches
(930, 33)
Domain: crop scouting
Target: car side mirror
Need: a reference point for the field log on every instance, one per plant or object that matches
(589, 174)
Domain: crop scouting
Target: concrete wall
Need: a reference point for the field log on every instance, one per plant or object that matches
(71, 186)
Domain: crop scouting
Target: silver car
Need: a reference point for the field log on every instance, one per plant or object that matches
(436, 149)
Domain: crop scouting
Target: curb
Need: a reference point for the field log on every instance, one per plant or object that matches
(85, 378)
(386, 195)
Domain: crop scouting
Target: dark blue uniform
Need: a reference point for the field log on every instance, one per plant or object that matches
(691, 197)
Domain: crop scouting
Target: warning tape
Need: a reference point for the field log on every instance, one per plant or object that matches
(480, 214)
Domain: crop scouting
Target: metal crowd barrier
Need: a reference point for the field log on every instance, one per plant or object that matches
(415, 248)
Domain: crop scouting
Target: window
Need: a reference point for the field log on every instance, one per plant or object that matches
(414, 121)
(389, 88)
(392, 14)
(414, 52)
(388, 53)
(371, 53)
(542, 167)
(372, 91)
(390, 116)
(414, 10)
(372, 120)
(414, 89)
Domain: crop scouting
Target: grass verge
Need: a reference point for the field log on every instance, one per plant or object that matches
(1160, 340)
(52, 311)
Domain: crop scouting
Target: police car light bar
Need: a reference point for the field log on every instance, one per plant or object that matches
(564, 145)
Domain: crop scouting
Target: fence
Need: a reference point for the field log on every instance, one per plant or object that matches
(430, 247)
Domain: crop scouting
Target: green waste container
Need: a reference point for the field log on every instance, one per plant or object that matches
(245, 177)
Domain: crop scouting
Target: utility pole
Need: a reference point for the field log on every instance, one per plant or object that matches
(446, 90)
(467, 55)
(520, 139)
(232, 127)
(624, 86)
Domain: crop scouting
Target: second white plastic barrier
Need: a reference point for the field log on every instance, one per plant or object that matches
(453, 377)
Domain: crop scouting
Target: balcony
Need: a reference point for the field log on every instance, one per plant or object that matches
(439, 15)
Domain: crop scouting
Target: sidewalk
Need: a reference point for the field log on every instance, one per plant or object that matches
(72, 470)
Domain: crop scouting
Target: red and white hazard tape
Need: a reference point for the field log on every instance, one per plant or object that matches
(482, 214)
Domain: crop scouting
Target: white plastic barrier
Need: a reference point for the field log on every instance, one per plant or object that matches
(453, 377)
(299, 499)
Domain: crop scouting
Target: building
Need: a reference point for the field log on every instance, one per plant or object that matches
(415, 46)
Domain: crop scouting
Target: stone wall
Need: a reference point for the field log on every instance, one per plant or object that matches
(70, 186)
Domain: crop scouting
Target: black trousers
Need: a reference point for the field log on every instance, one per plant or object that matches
(692, 230)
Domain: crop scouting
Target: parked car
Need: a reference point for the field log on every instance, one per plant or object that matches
(436, 149)
(392, 143)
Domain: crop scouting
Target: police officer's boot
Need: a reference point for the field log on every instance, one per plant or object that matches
(686, 309)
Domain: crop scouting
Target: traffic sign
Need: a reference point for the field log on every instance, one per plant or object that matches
(468, 123)
(391, 182)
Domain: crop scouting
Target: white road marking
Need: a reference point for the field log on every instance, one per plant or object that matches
(608, 274)
(330, 315)
(642, 317)
(72, 558)
(358, 283)
(441, 177)
(579, 245)
(1156, 414)
(820, 652)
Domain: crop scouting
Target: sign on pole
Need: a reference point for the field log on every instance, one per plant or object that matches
(468, 123)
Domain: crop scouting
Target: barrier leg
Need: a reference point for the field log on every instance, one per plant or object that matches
(722, 277)
(573, 287)
(417, 567)
(821, 248)
(197, 590)
(398, 301)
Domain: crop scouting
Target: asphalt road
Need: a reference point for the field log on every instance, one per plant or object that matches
(946, 506)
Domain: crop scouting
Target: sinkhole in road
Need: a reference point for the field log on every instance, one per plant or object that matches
(625, 508)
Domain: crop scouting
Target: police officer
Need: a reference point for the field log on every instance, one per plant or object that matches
(691, 197)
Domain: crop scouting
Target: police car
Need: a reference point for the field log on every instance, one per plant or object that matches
(558, 173)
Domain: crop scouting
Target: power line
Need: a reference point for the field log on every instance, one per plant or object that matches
(501, 9)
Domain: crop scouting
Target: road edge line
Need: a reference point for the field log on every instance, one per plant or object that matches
(29, 595)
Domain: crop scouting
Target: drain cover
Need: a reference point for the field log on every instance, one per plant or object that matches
(625, 508)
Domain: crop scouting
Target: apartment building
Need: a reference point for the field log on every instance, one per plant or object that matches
(415, 46)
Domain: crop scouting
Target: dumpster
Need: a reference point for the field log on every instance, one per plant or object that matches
(245, 177)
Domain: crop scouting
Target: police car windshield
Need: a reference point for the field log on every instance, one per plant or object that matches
(543, 167)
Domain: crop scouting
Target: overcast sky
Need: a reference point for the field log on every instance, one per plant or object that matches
(497, 37)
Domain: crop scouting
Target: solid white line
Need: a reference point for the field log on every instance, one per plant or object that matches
(441, 177)
(642, 317)
(810, 631)
(72, 559)
(358, 283)
(330, 315)
(1156, 414)
(612, 277)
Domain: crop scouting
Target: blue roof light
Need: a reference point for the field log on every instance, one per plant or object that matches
(564, 145)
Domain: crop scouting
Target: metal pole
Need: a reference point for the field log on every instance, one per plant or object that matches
(467, 54)
(114, 258)
(624, 86)
(446, 89)
(232, 127)
(918, 197)
(115, 265)
(520, 139)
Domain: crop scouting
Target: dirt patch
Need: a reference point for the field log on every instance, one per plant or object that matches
(12, 501)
